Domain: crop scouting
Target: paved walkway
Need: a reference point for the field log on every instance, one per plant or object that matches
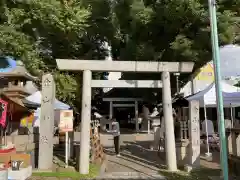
(136, 160)
(129, 166)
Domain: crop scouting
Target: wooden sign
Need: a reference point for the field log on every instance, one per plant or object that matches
(66, 121)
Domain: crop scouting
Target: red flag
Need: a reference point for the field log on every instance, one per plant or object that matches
(3, 113)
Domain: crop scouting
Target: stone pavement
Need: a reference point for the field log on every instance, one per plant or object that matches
(129, 165)
(136, 160)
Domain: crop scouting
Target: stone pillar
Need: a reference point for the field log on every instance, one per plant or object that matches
(148, 126)
(145, 119)
(85, 123)
(45, 157)
(238, 143)
(136, 116)
(194, 133)
(110, 110)
(233, 117)
(110, 114)
(170, 148)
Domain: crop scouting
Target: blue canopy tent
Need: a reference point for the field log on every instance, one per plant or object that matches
(7, 64)
(35, 100)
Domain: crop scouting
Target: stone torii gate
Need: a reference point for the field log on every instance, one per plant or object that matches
(87, 66)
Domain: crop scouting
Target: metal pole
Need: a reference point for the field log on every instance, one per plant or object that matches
(136, 117)
(206, 126)
(217, 73)
(66, 149)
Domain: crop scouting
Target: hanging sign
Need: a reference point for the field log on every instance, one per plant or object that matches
(206, 74)
(3, 113)
(66, 121)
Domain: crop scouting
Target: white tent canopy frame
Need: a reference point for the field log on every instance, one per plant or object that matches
(36, 98)
(207, 98)
(233, 97)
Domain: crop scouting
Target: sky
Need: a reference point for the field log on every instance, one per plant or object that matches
(230, 60)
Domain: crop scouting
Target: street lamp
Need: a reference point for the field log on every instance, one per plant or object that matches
(217, 73)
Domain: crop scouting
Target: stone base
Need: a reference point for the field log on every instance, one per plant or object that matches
(188, 168)
(103, 167)
(22, 174)
(182, 152)
(41, 170)
(234, 165)
(221, 178)
(207, 157)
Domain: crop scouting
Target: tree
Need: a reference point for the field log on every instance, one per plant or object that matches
(38, 32)
(169, 30)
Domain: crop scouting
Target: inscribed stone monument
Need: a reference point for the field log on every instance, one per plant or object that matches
(194, 133)
(46, 123)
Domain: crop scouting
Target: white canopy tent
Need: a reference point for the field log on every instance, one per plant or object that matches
(36, 99)
(207, 97)
(233, 97)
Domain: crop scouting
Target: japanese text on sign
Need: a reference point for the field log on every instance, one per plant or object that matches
(66, 121)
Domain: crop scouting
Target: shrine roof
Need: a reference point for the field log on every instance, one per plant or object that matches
(12, 68)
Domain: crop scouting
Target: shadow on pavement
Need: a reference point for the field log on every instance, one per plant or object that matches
(139, 152)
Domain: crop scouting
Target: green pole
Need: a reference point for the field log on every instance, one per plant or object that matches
(214, 57)
(217, 74)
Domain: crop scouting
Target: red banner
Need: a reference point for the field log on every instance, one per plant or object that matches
(3, 113)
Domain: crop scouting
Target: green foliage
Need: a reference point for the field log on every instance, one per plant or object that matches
(199, 174)
(170, 30)
(39, 31)
(173, 30)
(68, 173)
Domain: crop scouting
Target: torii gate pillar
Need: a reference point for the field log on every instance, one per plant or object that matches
(170, 148)
(85, 123)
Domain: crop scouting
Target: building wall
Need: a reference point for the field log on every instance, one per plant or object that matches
(202, 79)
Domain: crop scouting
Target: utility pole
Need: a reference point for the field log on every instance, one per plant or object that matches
(217, 73)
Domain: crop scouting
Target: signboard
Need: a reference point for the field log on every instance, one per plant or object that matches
(206, 73)
(66, 121)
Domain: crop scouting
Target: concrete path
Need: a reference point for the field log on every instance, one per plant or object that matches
(136, 160)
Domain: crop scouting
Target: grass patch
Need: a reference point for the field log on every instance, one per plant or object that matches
(198, 174)
(93, 172)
